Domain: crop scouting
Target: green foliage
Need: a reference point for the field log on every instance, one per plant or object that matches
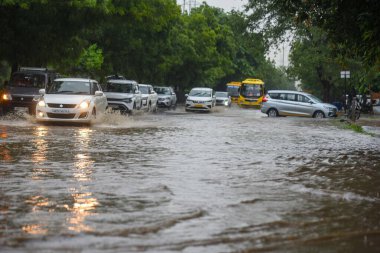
(146, 40)
(91, 59)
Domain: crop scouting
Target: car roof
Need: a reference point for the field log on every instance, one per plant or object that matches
(76, 79)
(121, 81)
(201, 88)
(288, 91)
(144, 84)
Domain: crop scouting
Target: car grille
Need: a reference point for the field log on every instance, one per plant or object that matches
(61, 115)
(198, 102)
(250, 100)
(219, 101)
(61, 105)
(22, 99)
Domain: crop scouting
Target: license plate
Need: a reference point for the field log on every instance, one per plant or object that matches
(21, 109)
(60, 111)
(198, 105)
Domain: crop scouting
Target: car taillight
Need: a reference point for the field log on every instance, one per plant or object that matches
(265, 99)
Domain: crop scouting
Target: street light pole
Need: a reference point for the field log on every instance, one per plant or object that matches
(345, 74)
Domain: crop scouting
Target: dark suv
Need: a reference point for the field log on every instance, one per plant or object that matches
(23, 86)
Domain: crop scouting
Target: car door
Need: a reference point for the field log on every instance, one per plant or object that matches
(173, 97)
(99, 101)
(305, 105)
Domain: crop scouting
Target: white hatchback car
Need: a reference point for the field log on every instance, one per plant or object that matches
(71, 100)
(200, 99)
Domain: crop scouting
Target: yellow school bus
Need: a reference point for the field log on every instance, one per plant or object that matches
(251, 93)
(233, 90)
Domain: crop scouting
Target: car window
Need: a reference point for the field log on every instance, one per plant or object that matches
(29, 80)
(200, 93)
(70, 87)
(302, 98)
(162, 90)
(282, 96)
(144, 89)
(274, 95)
(291, 97)
(119, 87)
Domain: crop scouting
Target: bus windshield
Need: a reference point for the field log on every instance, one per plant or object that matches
(233, 91)
(251, 90)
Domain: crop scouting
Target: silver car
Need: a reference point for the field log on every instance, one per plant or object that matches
(166, 97)
(123, 95)
(222, 98)
(295, 103)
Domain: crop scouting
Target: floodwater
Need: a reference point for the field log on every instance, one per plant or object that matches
(228, 181)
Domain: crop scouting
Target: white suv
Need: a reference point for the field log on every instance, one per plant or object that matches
(123, 95)
(149, 97)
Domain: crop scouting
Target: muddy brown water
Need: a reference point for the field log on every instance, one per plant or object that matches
(227, 181)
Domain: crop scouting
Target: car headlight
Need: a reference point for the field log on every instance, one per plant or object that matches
(41, 103)
(7, 97)
(84, 105)
(209, 101)
(127, 100)
(226, 102)
(189, 101)
(167, 98)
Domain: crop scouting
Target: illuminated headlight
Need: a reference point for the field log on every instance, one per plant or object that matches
(226, 102)
(84, 105)
(41, 114)
(41, 103)
(7, 97)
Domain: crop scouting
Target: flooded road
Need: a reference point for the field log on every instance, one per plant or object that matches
(228, 181)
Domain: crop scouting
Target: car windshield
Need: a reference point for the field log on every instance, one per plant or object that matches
(119, 87)
(28, 80)
(70, 87)
(162, 91)
(251, 90)
(144, 89)
(315, 98)
(221, 94)
(200, 93)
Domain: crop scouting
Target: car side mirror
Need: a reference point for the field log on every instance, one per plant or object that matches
(186, 95)
(98, 93)
(42, 92)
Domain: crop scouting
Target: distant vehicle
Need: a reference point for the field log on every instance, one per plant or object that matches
(222, 98)
(123, 95)
(166, 97)
(71, 100)
(23, 86)
(200, 99)
(115, 77)
(251, 93)
(233, 90)
(295, 103)
(149, 97)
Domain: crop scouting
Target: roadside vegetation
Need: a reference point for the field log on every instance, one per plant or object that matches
(151, 41)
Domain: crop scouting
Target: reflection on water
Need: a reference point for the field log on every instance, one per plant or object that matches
(229, 181)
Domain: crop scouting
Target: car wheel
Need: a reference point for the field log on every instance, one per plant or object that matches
(272, 113)
(319, 115)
